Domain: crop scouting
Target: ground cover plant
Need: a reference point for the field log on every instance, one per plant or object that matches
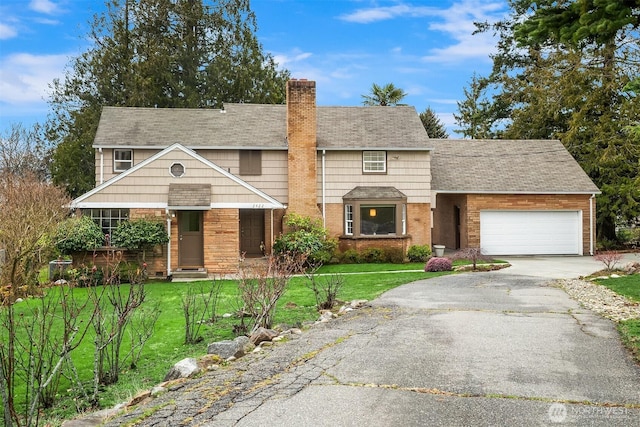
(165, 302)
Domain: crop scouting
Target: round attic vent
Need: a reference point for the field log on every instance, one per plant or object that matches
(177, 170)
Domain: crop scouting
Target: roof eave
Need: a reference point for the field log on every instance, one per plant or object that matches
(514, 192)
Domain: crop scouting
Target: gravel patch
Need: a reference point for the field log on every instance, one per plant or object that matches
(601, 299)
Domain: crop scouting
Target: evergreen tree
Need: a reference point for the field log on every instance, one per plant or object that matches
(554, 77)
(157, 53)
(432, 124)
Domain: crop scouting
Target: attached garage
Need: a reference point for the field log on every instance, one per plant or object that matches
(531, 232)
(511, 197)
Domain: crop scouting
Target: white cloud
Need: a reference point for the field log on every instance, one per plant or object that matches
(25, 78)
(458, 24)
(7, 32)
(455, 22)
(375, 14)
(44, 6)
(285, 60)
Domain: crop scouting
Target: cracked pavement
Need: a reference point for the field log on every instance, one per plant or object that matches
(466, 349)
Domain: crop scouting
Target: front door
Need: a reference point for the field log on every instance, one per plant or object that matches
(251, 232)
(190, 238)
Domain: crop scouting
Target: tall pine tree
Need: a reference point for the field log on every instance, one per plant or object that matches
(157, 53)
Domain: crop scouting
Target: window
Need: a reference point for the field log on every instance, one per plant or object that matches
(108, 219)
(377, 219)
(348, 220)
(250, 162)
(177, 170)
(375, 211)
(122, 160)
(374, 161)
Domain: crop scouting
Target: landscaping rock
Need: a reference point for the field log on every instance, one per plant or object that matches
(227, 349)
(143, 395)
(325, 316)
(183, 369)
(262, 334)
(358, 303)
(93, 419)
(632, 268)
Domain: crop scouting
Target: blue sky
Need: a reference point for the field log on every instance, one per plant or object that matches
(424, 47)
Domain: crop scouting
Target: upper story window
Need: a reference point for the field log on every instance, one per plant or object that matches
(177, 170)
(122, 160)
(250, 162)
(374, 161)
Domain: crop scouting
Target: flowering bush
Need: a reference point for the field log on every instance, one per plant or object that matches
(438, 264)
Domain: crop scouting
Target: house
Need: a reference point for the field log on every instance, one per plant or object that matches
(224, 179)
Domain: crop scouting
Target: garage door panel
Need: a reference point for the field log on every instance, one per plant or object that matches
(530, 232)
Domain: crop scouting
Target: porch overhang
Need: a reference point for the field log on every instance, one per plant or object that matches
(189, 197)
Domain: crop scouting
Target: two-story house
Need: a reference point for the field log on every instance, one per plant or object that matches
(223, 180)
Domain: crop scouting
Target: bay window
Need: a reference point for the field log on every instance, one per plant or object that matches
(375, 211)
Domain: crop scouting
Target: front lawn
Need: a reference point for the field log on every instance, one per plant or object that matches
(166, 346)
(628, 286)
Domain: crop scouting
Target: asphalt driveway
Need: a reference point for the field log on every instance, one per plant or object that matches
(469, 349)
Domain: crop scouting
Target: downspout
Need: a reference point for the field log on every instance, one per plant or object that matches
(324, 195)
(271, 250)
(591, 199)
(101, 165)
(168, 215)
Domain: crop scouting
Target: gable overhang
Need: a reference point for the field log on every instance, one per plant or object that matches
(265, 201)
(199, 147)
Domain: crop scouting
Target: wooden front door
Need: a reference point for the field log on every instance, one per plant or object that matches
(251, 232)
(190, 238)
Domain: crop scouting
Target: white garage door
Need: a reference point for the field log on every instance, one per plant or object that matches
(531, 232)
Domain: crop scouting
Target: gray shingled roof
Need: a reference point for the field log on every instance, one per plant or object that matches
(506, 166)
(375, 193)
(189, 195)
(259, 126)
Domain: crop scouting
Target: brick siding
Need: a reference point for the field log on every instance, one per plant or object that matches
(477, 202)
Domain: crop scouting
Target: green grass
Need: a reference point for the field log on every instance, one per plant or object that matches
(630, 333)
(166, 346)
(629, 286)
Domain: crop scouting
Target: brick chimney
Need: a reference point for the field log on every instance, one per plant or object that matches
(301, 138)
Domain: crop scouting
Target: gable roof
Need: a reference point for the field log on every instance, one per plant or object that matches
(506, 166)
(251, 195)
(259, 126)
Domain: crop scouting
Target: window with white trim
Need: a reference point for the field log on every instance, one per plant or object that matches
(122, 160)
(108, 219)
(348, 220)
(374, 161)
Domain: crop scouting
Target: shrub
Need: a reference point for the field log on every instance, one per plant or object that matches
(419, 253)
(306, 238)
(350, 256)
(373, 255)
(78, 234)
(438, 264)
(139, 234)
(609, 258)
(394, 255)
(472, 254)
